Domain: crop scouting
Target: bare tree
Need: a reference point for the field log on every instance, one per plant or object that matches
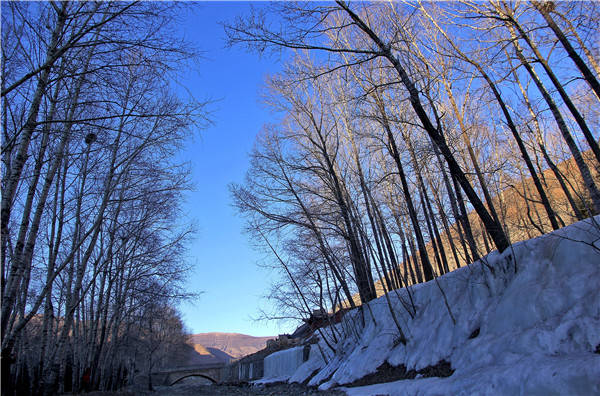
(90, 190)
(350, 171)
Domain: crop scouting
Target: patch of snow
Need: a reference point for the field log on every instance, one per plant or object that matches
(538, 315)
(536, 375)
(315, 361)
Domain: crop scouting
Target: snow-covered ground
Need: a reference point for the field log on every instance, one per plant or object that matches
(538, 317)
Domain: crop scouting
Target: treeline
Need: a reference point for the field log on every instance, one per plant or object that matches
(92, 249)
(409, 132)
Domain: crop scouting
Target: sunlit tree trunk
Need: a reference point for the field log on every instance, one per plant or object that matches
(562, 126)
(544, 9)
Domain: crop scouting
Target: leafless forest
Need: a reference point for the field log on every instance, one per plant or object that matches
(411, 139)
(91, 239)
(415, 138)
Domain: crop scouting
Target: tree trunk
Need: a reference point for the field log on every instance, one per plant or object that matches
(14, 174)
(587, 133)
(393, 149)
(562, 126)
(494, 228)
(588, 75)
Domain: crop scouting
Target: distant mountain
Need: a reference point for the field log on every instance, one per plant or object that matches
(233, 345)
(197, 354)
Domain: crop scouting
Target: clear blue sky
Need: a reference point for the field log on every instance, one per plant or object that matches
(225, 265)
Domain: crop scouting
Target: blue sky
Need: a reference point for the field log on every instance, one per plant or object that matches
(225, 265)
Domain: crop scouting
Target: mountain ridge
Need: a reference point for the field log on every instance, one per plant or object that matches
(233, 345)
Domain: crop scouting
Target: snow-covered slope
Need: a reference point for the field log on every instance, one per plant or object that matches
(538, 316)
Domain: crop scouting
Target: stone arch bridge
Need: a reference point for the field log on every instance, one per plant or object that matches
(212, 372)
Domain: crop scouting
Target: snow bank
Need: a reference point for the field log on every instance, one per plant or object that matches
(537, 311)
(316, 361)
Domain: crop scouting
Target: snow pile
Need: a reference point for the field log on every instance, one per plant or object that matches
(529, 326)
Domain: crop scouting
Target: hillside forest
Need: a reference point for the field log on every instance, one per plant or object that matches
(408, 139)
(415, 138)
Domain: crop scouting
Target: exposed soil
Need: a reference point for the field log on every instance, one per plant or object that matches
(388, 373)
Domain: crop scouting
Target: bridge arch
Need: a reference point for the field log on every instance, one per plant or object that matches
(212, 372)
(193, 375)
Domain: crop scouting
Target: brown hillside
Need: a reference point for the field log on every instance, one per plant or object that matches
(196, 354)
(521, 212)
(233, 344)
